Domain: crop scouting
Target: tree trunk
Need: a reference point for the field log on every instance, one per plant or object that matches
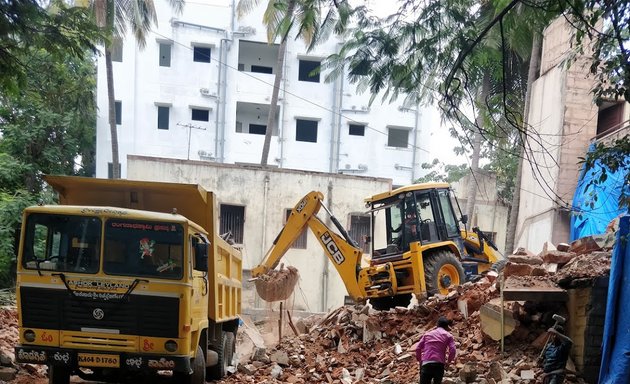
(112, 112)
(474, 162)
(534, 63)
(273, 107)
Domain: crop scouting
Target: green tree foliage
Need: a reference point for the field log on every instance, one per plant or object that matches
(47, 128)
(442, 173)
(26, 25)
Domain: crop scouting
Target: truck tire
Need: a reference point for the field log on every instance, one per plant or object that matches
(442, 270)
(198, 375)
(230, 345)
(225, 350)
(58, 374)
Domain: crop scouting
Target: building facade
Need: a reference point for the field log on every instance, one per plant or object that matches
(201, 88)
(565, 120)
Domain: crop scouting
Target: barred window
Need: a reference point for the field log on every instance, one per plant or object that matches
(360, 230)
(232, 220)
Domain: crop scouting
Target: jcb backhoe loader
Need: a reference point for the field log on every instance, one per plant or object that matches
(416, 245)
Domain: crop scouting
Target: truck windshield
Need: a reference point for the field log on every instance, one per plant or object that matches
(62, 243)
(143, 248)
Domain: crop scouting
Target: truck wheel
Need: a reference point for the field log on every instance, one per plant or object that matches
(58, 374)
(441, 271)
(198, 376)
(222, 348)
(230, 344)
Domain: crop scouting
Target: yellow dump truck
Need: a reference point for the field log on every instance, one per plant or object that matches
(127, 277)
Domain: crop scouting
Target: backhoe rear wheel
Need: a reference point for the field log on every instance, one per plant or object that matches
(442, 270)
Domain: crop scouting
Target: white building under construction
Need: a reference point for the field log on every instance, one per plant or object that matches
(201, 90)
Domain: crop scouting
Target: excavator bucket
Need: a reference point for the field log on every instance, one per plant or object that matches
(277, 285)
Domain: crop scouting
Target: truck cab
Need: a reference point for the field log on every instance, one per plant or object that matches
(117, 290)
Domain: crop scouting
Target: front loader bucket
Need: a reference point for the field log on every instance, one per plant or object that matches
(277, 285)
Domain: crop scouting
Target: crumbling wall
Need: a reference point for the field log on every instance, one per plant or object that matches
(587, 306)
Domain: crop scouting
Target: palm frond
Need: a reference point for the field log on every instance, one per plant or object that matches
(246, 6)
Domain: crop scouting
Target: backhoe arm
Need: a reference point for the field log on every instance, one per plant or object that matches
(342, 251)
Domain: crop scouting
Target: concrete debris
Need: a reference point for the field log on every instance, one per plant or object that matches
(558, 257)
(520, 259)
(276, 371)
(585, 245)
(564, 247)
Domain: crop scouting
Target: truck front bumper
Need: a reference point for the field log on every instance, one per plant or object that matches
(97, 359)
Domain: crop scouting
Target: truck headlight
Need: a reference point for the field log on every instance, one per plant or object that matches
(29, 335)
(170, 346)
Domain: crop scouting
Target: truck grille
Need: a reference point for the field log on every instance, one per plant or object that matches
(139, 315)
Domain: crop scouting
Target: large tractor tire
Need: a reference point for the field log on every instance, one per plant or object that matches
(58, 374)
(442, 270)
(198, 375)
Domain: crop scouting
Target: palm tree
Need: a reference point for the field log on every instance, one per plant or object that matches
(114, 17)
(280, 17)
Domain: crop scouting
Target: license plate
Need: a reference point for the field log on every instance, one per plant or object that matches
(99, 360)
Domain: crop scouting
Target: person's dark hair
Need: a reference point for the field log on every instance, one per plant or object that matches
(443, 322)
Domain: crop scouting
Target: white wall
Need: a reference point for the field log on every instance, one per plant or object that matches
(140, 82)
(266, 194)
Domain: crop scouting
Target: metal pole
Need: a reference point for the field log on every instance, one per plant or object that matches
(189, 133)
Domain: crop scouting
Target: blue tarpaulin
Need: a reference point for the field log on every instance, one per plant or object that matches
(615, 367)
(589, 220)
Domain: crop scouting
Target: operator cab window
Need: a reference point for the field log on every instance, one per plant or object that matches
(428, 227)
(450, 221)
(62, 243)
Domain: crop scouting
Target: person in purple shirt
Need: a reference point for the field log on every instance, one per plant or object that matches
(431, 352)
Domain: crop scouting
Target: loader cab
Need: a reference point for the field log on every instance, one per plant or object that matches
(418, 213)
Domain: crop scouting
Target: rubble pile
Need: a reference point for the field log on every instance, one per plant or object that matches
(9, 371)
(577, 264)
(359, 345)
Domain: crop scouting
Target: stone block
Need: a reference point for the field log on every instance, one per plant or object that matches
(512, 269)
(558, 257)
(7, 374)
(585, 245)
(523, 259)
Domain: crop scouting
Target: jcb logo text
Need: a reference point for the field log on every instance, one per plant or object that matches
(332, 248)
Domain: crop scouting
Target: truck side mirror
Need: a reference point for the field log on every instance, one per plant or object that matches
(464, 219)
(201, 257)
